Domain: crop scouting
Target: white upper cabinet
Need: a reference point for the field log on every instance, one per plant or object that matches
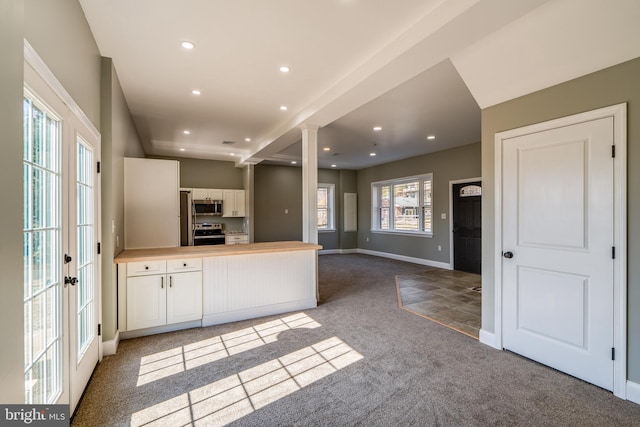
(233, 203)
(206, 194)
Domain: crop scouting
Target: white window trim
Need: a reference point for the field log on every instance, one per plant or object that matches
(375, 205)
(331, 211)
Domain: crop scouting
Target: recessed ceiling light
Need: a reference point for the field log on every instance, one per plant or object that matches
(377, 128)
(187, 45)
(285, 69)
(196, 92)
(326, 149)
(431, 137)
(372, 154)
(293, 162)
(333, 166)
(186, 132)
(232, 154)
(247, 140)
(182, 149)
(283, 108)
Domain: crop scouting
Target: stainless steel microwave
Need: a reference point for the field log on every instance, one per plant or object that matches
(207, 207)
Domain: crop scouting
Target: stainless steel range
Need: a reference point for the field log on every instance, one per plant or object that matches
(207, 233)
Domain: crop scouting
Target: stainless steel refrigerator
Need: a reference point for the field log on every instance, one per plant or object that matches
(186, 218)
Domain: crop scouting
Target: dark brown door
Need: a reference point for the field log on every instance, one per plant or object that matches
(467, 228)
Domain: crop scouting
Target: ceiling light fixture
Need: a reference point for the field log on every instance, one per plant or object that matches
(333, 166)
(372, 154)
(431, 137)
(182, 149)
(293, 162)
(377, 128)
(187, 45)
(283, 108)
(285, 69)
(196, 92)
(247, 140)
(326, 149)
(186, 132)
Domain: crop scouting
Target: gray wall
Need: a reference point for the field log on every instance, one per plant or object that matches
(457, 163)
(277, 188)
(196, 173)
(280, 187)
(119, 140)
(11, 290)
(607, 87)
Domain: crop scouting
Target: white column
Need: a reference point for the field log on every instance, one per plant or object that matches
(309, 182)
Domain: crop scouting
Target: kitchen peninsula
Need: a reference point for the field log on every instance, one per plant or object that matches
(165, 289)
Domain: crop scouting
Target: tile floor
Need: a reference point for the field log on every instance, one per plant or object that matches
(451, 298)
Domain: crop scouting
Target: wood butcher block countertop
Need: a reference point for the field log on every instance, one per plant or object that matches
(135, 255)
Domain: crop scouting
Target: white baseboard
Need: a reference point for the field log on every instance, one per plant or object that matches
(633, 392)
(488, 338)
(420, 261)
(111, 347)
(161, 329)
(255, 312)
(337, 251)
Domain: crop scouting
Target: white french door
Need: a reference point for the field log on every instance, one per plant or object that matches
(61, 260)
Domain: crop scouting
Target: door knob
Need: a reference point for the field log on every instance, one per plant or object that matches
(508, 254)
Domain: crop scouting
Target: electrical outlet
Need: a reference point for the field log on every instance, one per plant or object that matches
(443, 216)
(439, 247)
(367, 239)
(286, 211)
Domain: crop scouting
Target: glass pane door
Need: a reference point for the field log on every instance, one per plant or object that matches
(85, 246)
(42, 254)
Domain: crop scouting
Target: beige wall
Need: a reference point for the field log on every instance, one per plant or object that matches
(456, 163)
(607, 87)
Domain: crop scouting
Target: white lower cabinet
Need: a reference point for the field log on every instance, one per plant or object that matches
(163, 292)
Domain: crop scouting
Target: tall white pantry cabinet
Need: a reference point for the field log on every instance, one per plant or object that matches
(151, 203)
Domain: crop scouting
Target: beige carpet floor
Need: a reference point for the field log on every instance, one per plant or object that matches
(451, 298)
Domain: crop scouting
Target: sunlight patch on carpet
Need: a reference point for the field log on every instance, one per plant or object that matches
(235, 396)
(170, 362)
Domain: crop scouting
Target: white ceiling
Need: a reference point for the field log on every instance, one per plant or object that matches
(354, 64)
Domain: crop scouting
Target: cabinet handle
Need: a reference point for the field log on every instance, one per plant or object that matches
(146, 267)
(171, 281)
(162, 283)
(184, 265)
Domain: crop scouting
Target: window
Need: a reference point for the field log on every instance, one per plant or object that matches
(403, 205)
(325, 207)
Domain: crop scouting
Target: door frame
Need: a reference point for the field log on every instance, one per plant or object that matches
(451, 183)
(90, 131)
(619, 114)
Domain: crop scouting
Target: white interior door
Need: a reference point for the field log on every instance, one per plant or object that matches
(557, 239)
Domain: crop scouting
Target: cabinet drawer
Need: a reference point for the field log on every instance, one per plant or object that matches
(235, 239)
(186, 264)
(146, 268)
